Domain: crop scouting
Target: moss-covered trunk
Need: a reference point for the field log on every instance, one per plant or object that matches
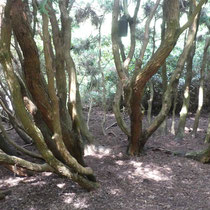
(186, 95)
(201, 87)
(59, 144)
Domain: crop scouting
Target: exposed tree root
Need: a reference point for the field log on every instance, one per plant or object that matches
(201, 156)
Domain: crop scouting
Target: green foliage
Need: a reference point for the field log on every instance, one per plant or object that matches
(85, 50)
(43, 6)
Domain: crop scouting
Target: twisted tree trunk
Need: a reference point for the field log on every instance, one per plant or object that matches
(58, 141)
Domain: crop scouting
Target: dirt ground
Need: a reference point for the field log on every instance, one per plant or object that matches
(155, 180)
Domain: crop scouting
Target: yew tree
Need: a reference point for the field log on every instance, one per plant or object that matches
(133, 87)
(46, 98)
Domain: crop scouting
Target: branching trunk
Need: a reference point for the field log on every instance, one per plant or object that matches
(51, 128)
(5, 138)
(14, 122)
(123, 86)
(173, 82)
(142, 76)
(29, 49)
(6, 147)
(12, 160)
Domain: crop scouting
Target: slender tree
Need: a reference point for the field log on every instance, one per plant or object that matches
(186, 96)
(164, 79)
(201, 87)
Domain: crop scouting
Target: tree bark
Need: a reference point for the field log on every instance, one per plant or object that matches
(207, 138)
(123, 86)
(141, 77)
(202, 156)
(201, 88)
(186, 96)
(173, 122)
(149, 110)
(164, 80)
(151, 86)
(67, 157)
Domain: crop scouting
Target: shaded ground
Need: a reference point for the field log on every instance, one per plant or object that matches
(155, 180)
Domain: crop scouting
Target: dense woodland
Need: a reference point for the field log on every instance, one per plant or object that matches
(146, 63)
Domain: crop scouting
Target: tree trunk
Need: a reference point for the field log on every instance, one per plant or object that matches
(4, 146)
(116, 109)
(186, 100)
(141, 77)
(58, 143)
(164, 86)
(164, 80)
(201, 88)
(102, 77)
(149, 111)
(151, 86)
(207, 138)
(173, 81)
(123, 85)
(202, 156)
(173, 121)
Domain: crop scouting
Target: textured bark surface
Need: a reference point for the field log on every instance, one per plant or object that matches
(186, 95)
(189, 69)
(59, 146)
(201, 87)
(31, 65)
(142, 76)
(207, 138)
(171, 14)
(122, 62)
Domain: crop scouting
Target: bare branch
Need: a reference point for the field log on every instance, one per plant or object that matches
(12, 160)
(146, 33)
(191, 18)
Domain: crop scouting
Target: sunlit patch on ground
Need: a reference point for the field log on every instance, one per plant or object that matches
(61, 185)
(153, 172)
(188, 129)
(39, 183)
(154, 180)
(97, 151)
(11, 182)
(114, 191)
(80, 203)
(77, 203)
(69, 197)
(47, 173)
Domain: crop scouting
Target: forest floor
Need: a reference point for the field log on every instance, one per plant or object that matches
(155, 180)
